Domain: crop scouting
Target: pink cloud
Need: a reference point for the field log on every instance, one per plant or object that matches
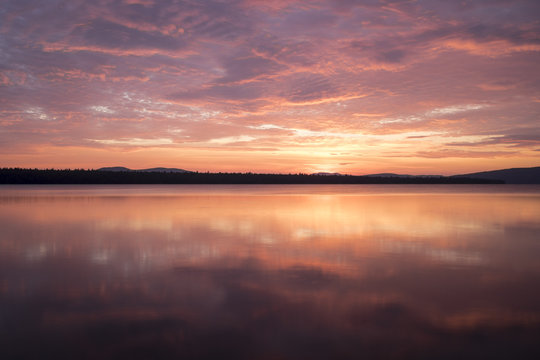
(272, 76)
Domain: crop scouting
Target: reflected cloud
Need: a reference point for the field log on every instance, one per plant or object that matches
(281, 271)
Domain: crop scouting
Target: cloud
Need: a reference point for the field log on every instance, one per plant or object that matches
(248, 68)
(232, 139)
(113, 35)
(305, 87)
(450, 153)
(219, 92)
(133, 142)
(434, 113)
(102, 109)
(348, 76)
(450, 110)
(516, 140)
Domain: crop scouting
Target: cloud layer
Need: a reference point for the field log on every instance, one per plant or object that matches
(274, 86)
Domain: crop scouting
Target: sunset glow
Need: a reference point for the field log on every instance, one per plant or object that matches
(357, 87)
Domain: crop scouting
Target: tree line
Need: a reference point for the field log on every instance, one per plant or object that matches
(82, 176)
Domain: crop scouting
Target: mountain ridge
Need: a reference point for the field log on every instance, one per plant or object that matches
(156, 169)
(529, 175)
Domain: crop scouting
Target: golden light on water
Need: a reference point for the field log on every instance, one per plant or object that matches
(365, 223)
(368, 263)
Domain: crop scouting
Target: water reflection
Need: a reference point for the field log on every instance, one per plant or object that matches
(270, 272)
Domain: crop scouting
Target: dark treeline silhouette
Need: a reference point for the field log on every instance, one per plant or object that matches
(81, 176)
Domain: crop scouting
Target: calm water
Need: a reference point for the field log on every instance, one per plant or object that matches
(270, 272)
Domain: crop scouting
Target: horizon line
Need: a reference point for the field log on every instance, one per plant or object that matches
(322, 173)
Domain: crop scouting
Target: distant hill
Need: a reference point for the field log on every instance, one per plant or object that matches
(392, 175)
(510, 176)
(323, 173)
(157, 169)
(389, 175)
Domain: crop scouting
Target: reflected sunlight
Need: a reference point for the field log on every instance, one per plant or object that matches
(358, 261)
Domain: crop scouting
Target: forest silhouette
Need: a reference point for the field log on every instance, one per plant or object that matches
(82, 176)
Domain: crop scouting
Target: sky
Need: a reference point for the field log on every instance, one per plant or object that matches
(356, 87)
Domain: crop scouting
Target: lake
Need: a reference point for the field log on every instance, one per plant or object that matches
(270, 271)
